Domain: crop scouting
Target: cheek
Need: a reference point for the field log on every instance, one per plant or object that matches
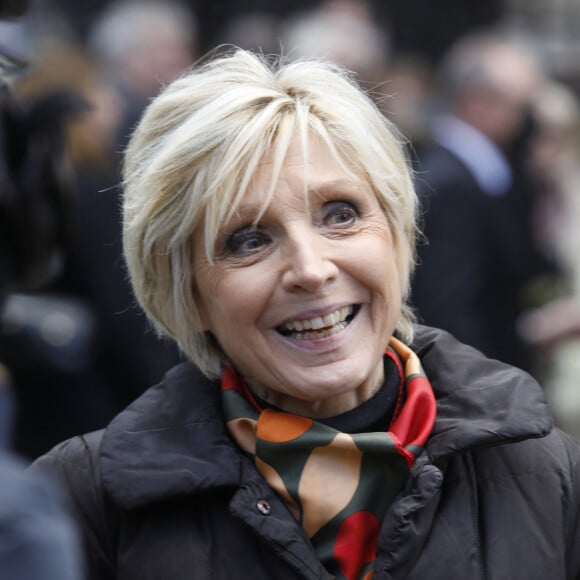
(381, 262)
(232, 301)
(372, 264)
(384, 274)
(387, 287)
(211, 294)
(398, 252)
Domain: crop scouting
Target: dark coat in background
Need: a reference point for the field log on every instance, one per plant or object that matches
(478, 258)
(163, 492)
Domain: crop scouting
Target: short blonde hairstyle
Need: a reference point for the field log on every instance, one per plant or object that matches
(193, 155)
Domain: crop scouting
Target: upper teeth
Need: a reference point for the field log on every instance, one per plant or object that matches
(319, 321)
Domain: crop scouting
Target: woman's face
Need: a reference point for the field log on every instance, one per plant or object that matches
(304, 302)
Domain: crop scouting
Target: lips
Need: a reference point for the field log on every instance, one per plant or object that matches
(319, 326)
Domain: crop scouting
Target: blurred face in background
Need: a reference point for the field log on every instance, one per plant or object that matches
(501, 104)
(159, 58)
(165, 54)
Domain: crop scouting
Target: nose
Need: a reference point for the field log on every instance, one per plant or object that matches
(309, 263)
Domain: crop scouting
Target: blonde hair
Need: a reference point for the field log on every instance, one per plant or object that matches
(192, 156)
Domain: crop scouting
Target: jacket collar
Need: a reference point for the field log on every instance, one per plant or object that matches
(172, 440)
(480, 401)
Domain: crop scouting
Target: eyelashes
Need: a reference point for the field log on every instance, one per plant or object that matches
(252, 239)
(246, 241)
(340, 214)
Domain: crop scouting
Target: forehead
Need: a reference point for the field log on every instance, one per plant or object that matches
(307, 166)
(300, 150)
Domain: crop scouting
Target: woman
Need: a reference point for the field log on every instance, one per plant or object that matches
(269, 224)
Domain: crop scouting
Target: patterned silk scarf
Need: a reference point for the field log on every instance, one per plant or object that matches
(337, 485)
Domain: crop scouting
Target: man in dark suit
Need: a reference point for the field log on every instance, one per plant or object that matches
(479, 253)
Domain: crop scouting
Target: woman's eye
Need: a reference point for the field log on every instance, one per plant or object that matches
(246, 242)
(340, 214)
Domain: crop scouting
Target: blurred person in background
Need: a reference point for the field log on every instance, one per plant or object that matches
(38, 538)
(405, 94)
(101, 354)
(35, 224)
(348, 32)
(257, 30)
(143, 45)
(480, 254)
(53, 337)
(553, 328)
(343, 31)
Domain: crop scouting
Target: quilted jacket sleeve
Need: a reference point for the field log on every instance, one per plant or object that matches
(75, 464)
(572, 507)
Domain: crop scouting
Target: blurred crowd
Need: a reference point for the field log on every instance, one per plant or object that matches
(493, 134)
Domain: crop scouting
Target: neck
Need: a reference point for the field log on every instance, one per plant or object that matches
(331, 406)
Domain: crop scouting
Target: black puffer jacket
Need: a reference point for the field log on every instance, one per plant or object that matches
(163, 494)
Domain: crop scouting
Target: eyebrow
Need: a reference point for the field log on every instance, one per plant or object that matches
(335, 184)
(246, 211)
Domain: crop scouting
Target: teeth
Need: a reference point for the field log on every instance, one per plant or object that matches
(330, 319)
(331, 323)
(320, 333)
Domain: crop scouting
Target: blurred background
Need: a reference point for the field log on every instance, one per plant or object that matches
(485, 93)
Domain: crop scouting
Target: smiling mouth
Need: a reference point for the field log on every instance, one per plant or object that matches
(319, 326)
